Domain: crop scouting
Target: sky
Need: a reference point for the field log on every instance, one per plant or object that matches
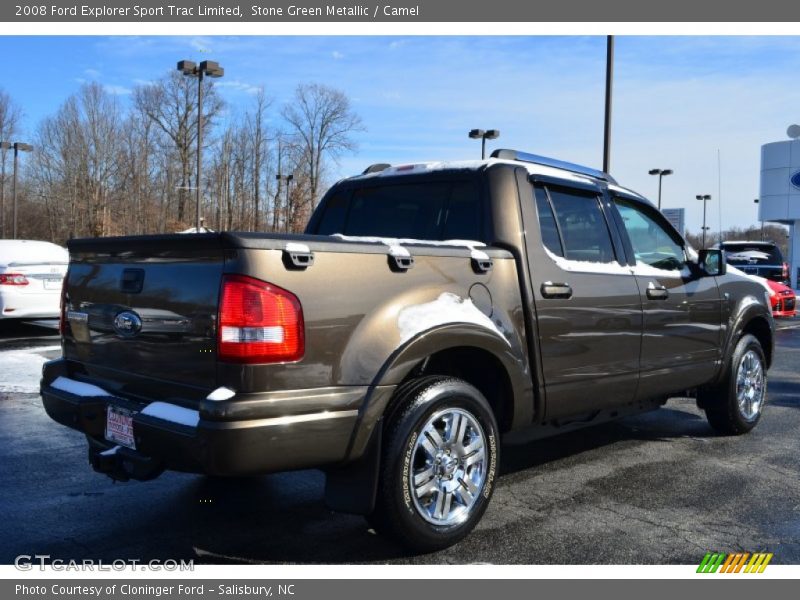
(702, 106)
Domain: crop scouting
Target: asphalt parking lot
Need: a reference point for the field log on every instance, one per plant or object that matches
(659, 488)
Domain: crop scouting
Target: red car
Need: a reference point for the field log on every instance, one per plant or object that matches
(784, 301)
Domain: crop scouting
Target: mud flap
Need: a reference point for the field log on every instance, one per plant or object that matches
(352, 488)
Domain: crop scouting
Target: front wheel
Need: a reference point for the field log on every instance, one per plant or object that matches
(439, 464)
(735, 406)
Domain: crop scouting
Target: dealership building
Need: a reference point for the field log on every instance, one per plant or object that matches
(779, 200)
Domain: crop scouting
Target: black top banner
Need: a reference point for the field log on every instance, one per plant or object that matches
(410, 11)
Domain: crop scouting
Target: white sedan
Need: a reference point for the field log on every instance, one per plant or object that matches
(31, 274)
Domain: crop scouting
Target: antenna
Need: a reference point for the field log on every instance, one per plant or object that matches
(793, 131)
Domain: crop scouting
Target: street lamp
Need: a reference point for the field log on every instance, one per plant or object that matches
(480, 134)
(288, 179)
(661, 174)
(762, 222)
(18, 147)
(705, 198)
(212, 69)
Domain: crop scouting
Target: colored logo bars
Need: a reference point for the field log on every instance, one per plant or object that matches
(734, 563)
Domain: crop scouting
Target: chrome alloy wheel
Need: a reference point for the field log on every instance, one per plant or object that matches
(750, 385)
(449, 467)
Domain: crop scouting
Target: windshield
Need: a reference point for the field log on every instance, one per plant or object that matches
(753, 254)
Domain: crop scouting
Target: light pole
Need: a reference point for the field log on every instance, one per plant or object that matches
(212, 69)
(480, 134)
(609, 89)
(288, 179)
(3, 147)
(18, 147)
(755, 201)
(705, 198)
(661, 174)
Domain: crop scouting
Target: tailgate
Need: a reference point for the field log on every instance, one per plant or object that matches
(144, 316)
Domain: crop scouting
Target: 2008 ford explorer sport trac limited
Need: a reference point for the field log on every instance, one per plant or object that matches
(429, 311)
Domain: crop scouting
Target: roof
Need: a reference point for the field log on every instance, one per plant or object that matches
(553, 168)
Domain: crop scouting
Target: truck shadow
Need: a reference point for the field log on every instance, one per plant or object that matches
(282, 518)
(662, 425)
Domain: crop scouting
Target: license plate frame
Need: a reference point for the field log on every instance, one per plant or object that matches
(119, 426)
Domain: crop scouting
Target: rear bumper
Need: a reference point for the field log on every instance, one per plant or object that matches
(15, 304)
(239, 436)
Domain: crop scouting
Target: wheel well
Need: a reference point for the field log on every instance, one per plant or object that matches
(479, 368)
(761, 330)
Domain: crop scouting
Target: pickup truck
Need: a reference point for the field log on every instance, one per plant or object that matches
(429, 313)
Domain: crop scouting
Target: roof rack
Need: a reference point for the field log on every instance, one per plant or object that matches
(376, 168)
(552, 162)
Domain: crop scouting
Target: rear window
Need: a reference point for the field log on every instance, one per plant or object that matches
(424, 211)
(752, 254)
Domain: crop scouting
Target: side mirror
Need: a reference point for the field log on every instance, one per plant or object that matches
(712, 261)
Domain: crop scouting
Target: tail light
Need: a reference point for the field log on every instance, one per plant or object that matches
(785, 271)
(258, 322)
(13, 279)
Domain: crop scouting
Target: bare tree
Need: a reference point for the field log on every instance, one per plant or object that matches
(78, 159)
(322, 122)
(258, 142)
(171, 103)
(10, 115)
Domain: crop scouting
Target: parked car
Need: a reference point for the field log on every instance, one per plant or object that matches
(783, 298)
(429, 312)
(31, 274)
(763, 259)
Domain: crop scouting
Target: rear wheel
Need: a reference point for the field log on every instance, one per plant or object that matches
(439, 464)
(735, 406)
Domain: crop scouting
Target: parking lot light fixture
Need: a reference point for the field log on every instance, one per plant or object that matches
(18, 147)
(190, 69)
(288, 179)
(661, 174)
(756, 201)
(705, 198)
(483, 135)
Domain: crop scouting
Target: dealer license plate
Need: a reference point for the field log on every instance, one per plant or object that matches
(119, 426)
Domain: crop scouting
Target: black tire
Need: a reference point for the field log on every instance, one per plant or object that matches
(724, 411)
(421, 404)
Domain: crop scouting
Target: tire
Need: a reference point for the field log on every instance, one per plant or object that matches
(436, 483)
(735, 405)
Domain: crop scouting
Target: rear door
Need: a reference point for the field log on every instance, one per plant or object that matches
(587, 303)
(682, 309)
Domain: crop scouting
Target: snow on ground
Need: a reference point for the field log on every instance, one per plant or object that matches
(20, 370)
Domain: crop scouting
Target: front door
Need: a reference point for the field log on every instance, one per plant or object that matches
(682, 308)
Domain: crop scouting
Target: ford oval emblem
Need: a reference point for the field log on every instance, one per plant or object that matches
(796, 180)
(127, 324)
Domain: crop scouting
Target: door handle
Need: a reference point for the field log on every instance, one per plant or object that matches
(556, 290)
(657, 292)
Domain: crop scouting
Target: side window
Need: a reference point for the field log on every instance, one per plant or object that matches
(653, 244)
(547, 222)
(584, 231)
